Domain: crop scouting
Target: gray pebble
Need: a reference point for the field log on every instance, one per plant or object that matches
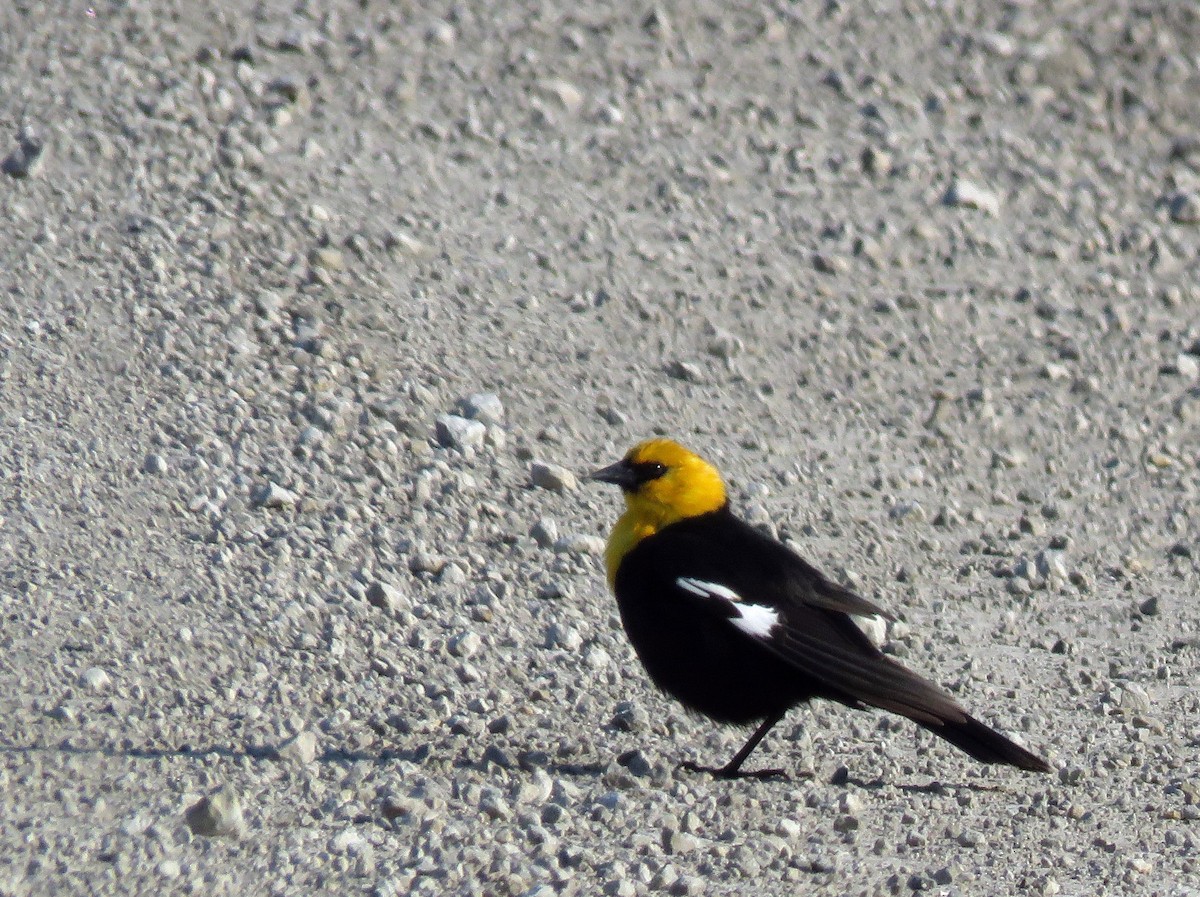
(387, 597)
(299, 40)
(328, 258)
(685, 371)
(217, 815)
(1184, 208)
(494, 806)
(460, 432)
(441, 33)
(399, 241)
(536, 789)
(453, 574)
(348, 841)
(1187, 365)
(580, 544)
(596, 658)
(293, 89)
(154, 464)
(485, 407)
(554, 589)
(1008, 459)
(874, 628)
(789, 828)
(828, 263)
(969, 838)
(497, 756)
(552, 476)
(612, 416)
(875, 161)
(465, 644)
(1019, 585)
(300, 748)
(908, 511)
(846, 824)
(689, 886)
(425, 561)
(1030, 571)
(1054, 371)
(275, 496)
(725, 345)
(620, 887)
(1134, 698)
(95, 679)
(559, 635)
(1050, 567)
(630, 717)
(966, 194)
(947, 516)
(1141, 865)
(675, 841)
(635, 761)
(1185, 146)
(545, 532)
(26, 160)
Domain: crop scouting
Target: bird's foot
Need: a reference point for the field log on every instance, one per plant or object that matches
(724, 772)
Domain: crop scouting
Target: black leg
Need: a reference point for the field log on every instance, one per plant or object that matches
(732, 769)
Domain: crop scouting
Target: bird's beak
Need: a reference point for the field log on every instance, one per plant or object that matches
(619, 474)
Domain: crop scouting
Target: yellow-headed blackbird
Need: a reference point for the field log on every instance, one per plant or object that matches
(740, 628)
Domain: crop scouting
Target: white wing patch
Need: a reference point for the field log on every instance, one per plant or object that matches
(709, 589)
(753, 619)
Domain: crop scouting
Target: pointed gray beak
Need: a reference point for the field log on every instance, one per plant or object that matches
(619, 474)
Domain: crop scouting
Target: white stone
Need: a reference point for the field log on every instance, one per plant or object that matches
(552, 476)
(460, 432)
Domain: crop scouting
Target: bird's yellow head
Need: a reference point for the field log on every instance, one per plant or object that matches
(663, 482)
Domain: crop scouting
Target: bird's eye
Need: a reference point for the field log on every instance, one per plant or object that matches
(649, 470)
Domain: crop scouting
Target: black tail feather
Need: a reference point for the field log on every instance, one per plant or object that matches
(986, 745)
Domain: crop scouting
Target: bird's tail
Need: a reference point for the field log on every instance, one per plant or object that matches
(984, 744)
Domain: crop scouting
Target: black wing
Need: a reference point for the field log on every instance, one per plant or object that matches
(719, 567)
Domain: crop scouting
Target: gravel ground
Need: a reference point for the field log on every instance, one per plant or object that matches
(308, 314)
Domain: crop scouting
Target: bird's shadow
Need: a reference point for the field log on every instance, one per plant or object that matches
(934, 787)
(332, 755)
(422, 753)
(191, 752)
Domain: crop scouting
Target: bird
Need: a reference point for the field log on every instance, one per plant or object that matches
(738, 627)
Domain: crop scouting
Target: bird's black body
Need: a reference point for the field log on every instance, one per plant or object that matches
(800, 644)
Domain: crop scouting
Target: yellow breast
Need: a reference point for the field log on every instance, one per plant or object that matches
(631, 528)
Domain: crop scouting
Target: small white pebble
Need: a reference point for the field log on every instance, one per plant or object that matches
(155, 464)
(275, 496)
(1187, 365)
(965, 194)
(301, 748)
(218, 815)
(552, 476)
(465, 644)
(95, 679)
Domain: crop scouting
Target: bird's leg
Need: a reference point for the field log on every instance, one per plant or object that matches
(732, 769)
